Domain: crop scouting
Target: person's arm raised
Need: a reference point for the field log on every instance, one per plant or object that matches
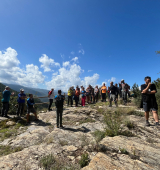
(146, 89)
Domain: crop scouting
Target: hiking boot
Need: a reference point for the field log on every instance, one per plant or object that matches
(57, 126)
(6, 116)
(110, 106)
(147, 123)
(157, 124)
(61, 127)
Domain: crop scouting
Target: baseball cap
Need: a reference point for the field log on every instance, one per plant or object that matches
(21, 89)
(122, 80)
(6, 87)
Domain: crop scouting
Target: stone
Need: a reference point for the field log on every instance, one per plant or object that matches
(10, 123)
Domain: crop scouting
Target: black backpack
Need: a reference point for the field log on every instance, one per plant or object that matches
(59, 101)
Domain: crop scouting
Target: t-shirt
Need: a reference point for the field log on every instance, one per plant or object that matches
(51, 93)
(19, 99)
(112, 90)
(117, 91)
(125, 87)
(69, 92)
(148, 97)
(96, 90)
(30, 103)
(6, 96)
(60, 104)
(104, 89)
(77, 93)
(83, 93)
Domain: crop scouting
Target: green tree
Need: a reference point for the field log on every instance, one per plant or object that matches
(157, 83)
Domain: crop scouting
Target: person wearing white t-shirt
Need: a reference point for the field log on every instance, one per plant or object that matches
(50, 97)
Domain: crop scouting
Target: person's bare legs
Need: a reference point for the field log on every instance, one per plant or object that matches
(155, 115)
(147, 115)
(35, 115)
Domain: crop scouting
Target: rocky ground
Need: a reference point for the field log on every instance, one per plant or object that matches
(84, 143)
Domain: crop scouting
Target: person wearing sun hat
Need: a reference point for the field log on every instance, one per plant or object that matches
(21, 102)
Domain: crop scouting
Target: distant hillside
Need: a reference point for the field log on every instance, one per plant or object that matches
(34, 91)
(2, 87)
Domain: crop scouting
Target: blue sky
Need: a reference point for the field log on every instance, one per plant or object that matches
(111, 40)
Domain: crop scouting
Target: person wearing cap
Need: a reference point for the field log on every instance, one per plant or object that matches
(21, 102)
(5, 101)
(51, 97)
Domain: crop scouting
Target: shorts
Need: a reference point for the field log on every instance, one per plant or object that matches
(112, 97)
(31, 110)
(147, 108)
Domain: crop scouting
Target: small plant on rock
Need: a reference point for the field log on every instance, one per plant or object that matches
(84, 161)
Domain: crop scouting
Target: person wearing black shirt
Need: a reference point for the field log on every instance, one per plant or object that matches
(117, 91)
(149, 100)
(112, 90)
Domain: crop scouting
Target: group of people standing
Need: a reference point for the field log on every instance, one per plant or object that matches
(93, 94)
(89, 95)
(21, 104)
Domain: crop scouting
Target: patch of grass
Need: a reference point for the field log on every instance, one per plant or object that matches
(84, 161)
(99, 135)
(49, 162)
(123, 151)
(63, 142)
(87, 121)
(129, 124)
(6, 150)
(113, 123)
(85, 141)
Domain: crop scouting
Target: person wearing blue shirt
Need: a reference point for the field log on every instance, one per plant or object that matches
(21, 102)
(59, 105)
(5, 101)
(30, 107)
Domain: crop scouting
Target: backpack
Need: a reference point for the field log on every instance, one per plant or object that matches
(49, 94)
(59, 101)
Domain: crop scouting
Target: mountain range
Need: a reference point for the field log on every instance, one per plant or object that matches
(35, 91)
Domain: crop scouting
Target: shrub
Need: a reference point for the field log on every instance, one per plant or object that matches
(113, 123)
(129, 124)
(158, 100)
(99, 135)
(84, 160)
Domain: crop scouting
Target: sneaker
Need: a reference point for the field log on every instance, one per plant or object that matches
(147, 124)
(157, 124)
(109, 106)
(28, 123)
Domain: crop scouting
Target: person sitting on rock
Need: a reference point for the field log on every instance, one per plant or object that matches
(30, 107)
(113, 91)
(5, 101)
(59, 105)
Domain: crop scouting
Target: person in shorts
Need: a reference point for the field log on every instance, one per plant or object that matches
(30, 107)
(148, 91)
(113, 91)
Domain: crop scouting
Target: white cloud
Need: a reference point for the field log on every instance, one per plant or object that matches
(47, 63)
(11, 73)
(72, 52)
(81, 51)
(112, 79)
(8, 59)
(65, 64)
(70, 76)
(90, 70)
(75, 59)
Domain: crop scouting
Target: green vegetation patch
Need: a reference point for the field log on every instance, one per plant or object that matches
(6, 150)
(84, 161)
(87, 121)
